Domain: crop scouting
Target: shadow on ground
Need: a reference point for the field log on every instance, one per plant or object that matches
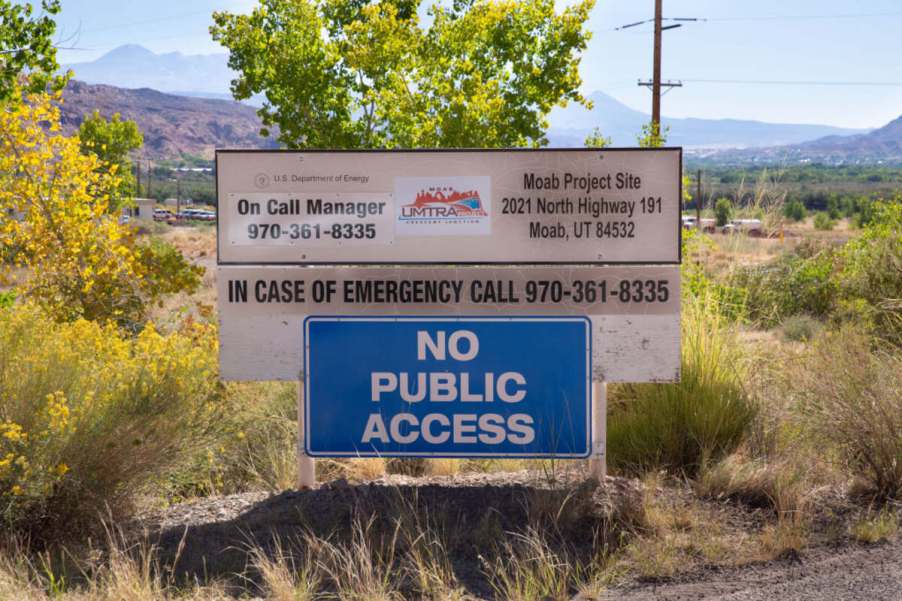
(470, 520)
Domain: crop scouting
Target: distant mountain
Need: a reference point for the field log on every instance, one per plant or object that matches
(882, 145)
(208, 76)
(133, 66)
(172, 125)
(571, 125)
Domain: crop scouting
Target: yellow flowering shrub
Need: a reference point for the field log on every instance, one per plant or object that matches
(56, 221)
(90, 417)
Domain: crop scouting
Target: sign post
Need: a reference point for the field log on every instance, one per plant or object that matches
(306, 464)
(598, 463)
(450, 303)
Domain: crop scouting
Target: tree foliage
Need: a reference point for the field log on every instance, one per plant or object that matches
(55, 221)
(112, 141)
(596, 139)
(795, 210)
(26, 45)
(653, 135)
(870, 272)
(365, 74)
(723, 211)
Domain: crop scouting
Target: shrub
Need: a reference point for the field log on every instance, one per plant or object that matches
(869, 276)
(723, 211)
(823, 222)
(696, 281)
(795, 210)
(89, 418)
(857, 410)
(799, 328)
(797, 282)
(702, 418)
(257, 449)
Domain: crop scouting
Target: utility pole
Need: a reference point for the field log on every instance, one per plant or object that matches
(698, 201)
(138, 179)
(656, 73)
(656, 83)
(149, 179)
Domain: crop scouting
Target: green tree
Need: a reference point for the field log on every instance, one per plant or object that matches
(653, 135)
(366, 74)
(112, 141)
(833, 207)
(596, 139)
(723, 211)
(26, 45)
(78, 260)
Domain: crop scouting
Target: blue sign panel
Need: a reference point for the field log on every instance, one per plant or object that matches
(448, 387)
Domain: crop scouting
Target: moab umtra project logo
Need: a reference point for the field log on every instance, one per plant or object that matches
(444, 206)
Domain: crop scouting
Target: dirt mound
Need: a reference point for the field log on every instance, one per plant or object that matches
(471, 515)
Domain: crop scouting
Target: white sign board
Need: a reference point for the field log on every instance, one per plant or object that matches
(634, 310)
(453, 207)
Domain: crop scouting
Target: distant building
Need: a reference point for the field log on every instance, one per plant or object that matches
(142, 210)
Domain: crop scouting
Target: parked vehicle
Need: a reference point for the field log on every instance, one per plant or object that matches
(196, 215)
(751, 227)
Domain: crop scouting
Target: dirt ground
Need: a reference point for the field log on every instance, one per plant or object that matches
(210, 538)
(852, 573)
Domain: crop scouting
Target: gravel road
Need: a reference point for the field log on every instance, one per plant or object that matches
(861, 573)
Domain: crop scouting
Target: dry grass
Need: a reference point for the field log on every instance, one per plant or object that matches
(781, 486)
(682, 534)
(195, 242)
(785, 538)
(527, 568)
(443, 467)
(876, 526)
(851, 401)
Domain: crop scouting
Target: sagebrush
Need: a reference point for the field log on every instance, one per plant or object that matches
(90, 417)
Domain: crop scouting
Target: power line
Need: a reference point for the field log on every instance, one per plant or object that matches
(806, 17)
(767, 18)
(780, 82)
(655, 84)
(146, 21)
(675, 19)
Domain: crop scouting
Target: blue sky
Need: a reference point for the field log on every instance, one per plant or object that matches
(761, 40)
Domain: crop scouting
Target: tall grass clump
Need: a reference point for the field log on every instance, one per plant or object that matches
(703, 417)
(528, 568)
(89, 416)
(850, 398)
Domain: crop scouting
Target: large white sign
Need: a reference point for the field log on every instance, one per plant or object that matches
(453, 207)
(634, 310)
